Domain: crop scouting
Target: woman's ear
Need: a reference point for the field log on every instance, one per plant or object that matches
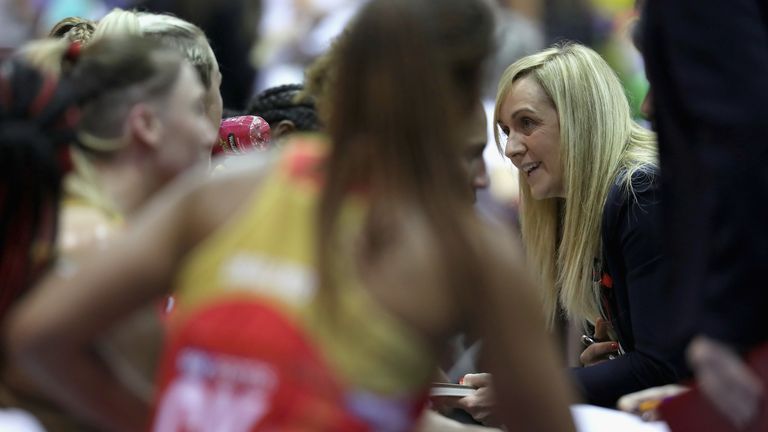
(283, 128)
(143, 126)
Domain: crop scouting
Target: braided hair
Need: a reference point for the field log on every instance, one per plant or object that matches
(37, 120)
(285, 103)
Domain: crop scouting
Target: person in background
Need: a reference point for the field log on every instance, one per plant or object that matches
(100, 195)
(38, 117)
(107, 180)
(706, 62)
(93, 213)
(353, 336)
(289, 108)
(142, 124)
(286, 110)
(590, 212)
(37, 144)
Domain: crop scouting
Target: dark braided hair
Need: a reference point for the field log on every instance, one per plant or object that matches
(37, 120)
(283, 103)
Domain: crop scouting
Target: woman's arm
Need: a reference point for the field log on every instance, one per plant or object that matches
(434, 422)
(531, 388)
(132, 347)
(51, 332)
(504, 310)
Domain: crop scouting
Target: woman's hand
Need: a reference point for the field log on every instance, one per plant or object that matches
(598, 353)
(603, 349)
(480, 405)
(726, 380)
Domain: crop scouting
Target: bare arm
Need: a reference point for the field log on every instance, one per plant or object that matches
(131, 348)
(434, 422)
(51, 333)
(531, 387)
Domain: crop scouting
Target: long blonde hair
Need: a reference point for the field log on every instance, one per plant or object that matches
(600, 146)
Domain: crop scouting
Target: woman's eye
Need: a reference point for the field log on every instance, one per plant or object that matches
(526, 123)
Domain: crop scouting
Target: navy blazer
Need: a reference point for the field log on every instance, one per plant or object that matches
(635, 298)
(707, 61)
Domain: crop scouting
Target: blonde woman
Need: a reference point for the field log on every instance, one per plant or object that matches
(590, 206)
(115, 170)
(175, 33)
(93, 211)
(142, 119)
(98, 196)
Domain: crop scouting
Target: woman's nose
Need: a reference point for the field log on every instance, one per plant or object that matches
(514, 147)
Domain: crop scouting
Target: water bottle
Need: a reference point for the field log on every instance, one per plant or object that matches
(242, 134)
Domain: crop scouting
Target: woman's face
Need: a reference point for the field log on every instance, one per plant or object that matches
(476, 136)
(188, 133)
(213, 103)
(530, 123)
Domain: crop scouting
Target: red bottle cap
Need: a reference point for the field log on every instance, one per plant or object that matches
(241, 135)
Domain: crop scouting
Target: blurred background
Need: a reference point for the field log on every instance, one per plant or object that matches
(265, 43)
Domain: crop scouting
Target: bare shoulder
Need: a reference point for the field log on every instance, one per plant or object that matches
(205, 202)
(410, 280)
(500, 244)
(504, 265)
(417, 256)
(83, 226)
(440, 307)
(224, 193)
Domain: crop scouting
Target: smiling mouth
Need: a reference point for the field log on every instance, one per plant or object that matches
(530, 167)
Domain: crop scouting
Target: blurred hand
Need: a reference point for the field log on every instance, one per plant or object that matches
(725, 380)
(645, 403)
(603, 349)
(480, 405)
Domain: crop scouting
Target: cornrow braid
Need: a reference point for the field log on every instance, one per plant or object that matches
(285, 103)
(37, 120)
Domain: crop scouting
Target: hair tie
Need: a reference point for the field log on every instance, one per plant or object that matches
(73, 51)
